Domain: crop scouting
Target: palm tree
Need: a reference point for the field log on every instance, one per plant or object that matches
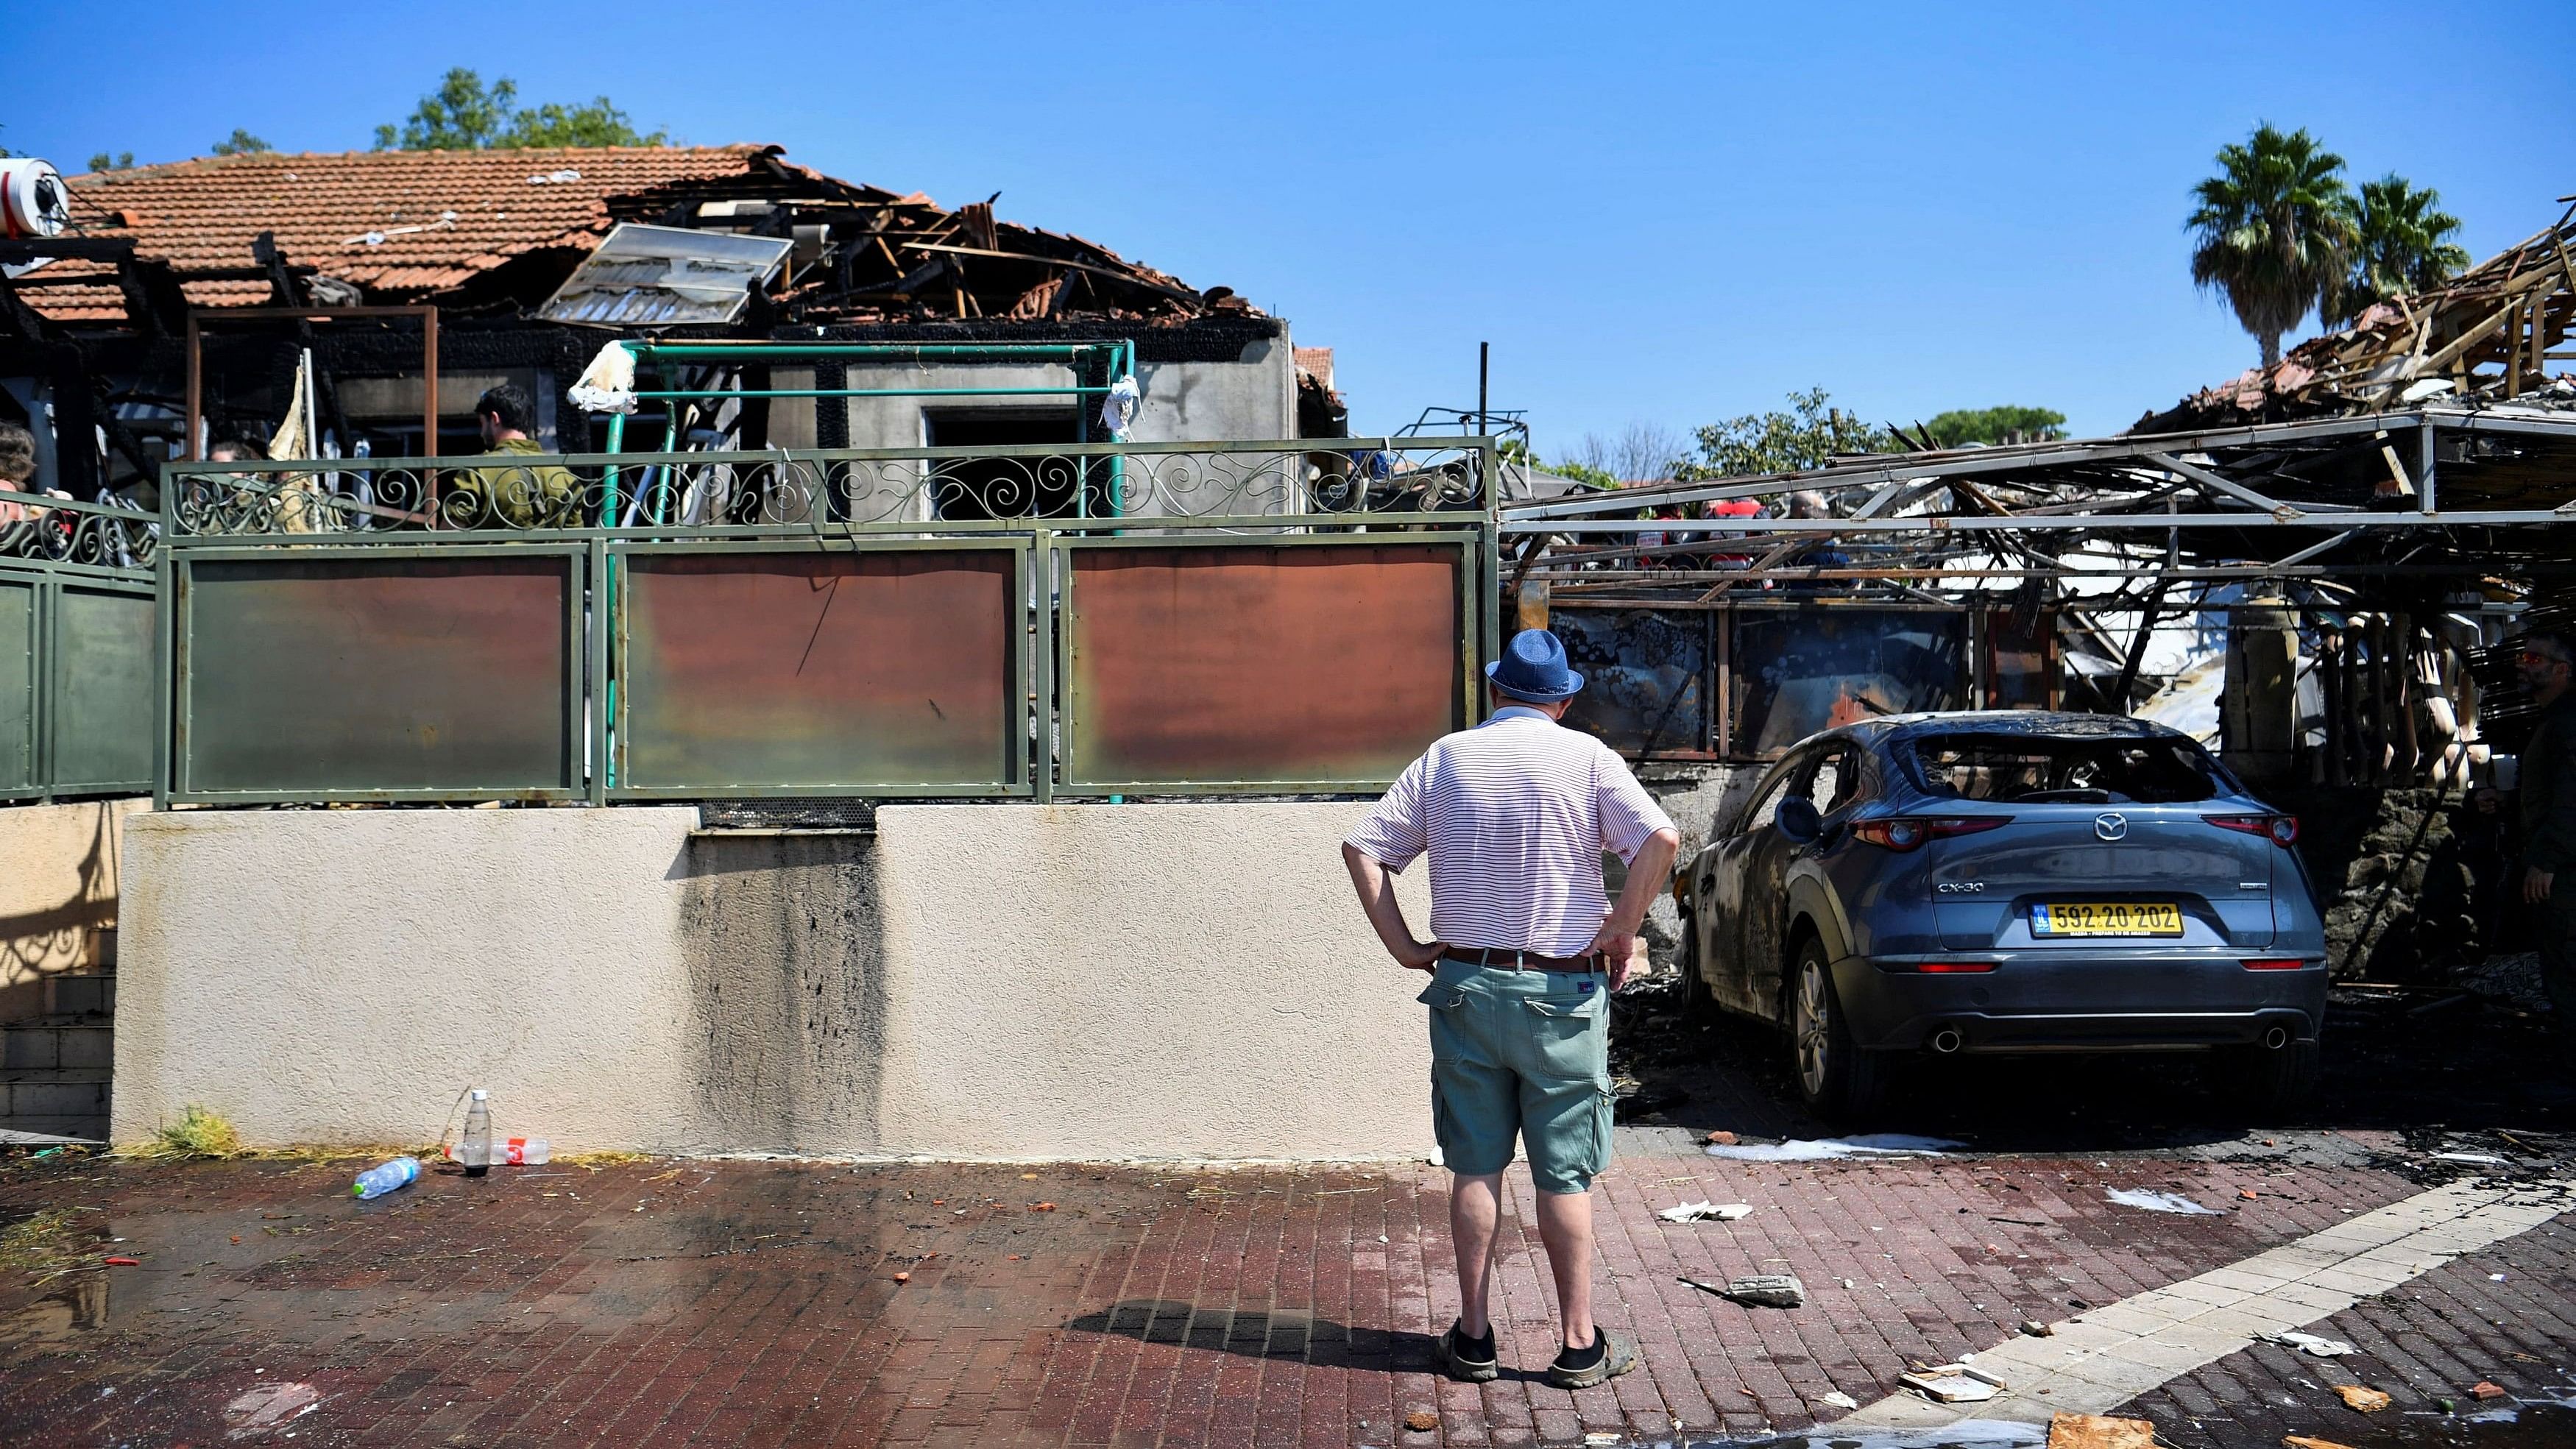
(2275, 233)
(2405, 247)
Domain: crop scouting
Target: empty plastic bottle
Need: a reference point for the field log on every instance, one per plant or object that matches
(477, 1151)
(509, 1152)
(384, 1177)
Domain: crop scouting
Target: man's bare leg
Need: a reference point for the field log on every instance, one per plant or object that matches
(1475, 1207)
(1565, 1227)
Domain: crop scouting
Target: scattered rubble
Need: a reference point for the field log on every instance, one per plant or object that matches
(2098, 1431)
(2160, 1202)
(1954, 1383)
(2367, 1400)
(1706, 1212)
(2310, 1344)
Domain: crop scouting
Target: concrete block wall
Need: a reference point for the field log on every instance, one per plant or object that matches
(989, 981)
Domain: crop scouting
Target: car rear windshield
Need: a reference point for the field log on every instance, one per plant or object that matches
(2076, 771)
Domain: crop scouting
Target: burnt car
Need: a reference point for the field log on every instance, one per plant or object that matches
(2010, 882)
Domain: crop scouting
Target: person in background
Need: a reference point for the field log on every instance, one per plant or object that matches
(18, 475)
(523, 496)
(2547, 666)
(1819, 551)
(1731, 508)
(1526, 948)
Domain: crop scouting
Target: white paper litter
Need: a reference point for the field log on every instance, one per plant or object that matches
(1954, 1383)
(1873, 1144)
(2481, 1158)
(2310, 1344)
(2161, 1202)
(1704, 1212)
(1839, 1400)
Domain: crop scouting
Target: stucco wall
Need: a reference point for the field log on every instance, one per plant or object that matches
(984, 981)
(58, 894)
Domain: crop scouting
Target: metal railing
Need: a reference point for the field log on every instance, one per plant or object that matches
(77, 647)
(1032, 621)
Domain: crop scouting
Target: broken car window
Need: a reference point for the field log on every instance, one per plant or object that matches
(2041, 770)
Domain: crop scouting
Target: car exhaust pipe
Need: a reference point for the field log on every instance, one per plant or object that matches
(1947, 1040)
(2277, 1038)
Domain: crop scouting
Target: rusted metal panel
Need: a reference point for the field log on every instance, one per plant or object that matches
(1260, 662)
(767, 670)
(103, 667)
(19, 612)
(377, 674)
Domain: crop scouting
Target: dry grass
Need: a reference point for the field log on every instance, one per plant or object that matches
(42, 1244)
(608, 1158)
(199, 1132)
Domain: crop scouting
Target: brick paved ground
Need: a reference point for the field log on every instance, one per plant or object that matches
(739, 1302)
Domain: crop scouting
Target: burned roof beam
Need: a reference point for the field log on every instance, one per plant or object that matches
(2223, 487)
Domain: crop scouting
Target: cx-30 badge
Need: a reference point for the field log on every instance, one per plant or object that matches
(2113, 826)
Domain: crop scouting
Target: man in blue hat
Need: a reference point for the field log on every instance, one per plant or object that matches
(1525, 949)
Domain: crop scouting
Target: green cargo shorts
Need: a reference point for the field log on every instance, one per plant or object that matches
(1520, 1053)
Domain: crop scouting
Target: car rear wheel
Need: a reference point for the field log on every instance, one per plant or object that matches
(2265, 1082)
(1835, 1078)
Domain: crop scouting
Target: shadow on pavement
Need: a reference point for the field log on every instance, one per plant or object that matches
(1260, 1333)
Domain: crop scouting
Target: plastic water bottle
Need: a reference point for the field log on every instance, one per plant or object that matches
(385, 1177)
(510, 1152)
(477, 1153)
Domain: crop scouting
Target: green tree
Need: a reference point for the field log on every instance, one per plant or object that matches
(2404, 247)
(112, 161)
(242, 143)
(2273, 231)
(465, 115)
(1809, 433)
(1994, 425)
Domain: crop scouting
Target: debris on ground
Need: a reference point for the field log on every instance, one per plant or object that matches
(2160, 1202)
(1953, 1383)
(1706, 1212)
(2302, 1441)
(2099, 1431)
(1719, 1138)
(2485, 1390)
(2309, 1344)
(1871, 1144)
(1839, 1400)
(1762, 1290)
(2367, 1400)
(2037, 1329)
(1422, 1421)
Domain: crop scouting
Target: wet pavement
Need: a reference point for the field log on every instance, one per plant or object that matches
(761, 1302)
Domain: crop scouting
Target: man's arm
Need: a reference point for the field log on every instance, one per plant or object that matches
(1377, 897)
(1648, 873)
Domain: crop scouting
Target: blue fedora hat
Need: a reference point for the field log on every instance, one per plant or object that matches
(1533, 667)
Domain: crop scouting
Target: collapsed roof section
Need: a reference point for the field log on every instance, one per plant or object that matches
(2486, 335)
(501, 230)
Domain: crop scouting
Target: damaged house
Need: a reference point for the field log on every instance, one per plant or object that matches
(176, 307)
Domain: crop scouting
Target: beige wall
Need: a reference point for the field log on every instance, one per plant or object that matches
(58, 894)
(984, 981)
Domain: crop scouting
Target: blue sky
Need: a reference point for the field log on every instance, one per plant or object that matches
(1669, 214)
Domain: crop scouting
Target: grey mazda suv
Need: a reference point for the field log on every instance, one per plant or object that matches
(2010, 882)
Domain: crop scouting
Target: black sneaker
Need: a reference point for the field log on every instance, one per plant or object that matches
(1467, 1361)
(1616, 1359)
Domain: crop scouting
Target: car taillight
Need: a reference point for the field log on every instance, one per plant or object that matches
(1905, 832)
(2275, 963)
(1957, 968)
(2281, 830)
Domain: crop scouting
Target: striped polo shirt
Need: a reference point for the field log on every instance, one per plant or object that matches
(1515, 814)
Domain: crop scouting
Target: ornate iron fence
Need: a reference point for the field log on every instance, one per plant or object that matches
(928, 623)
(77, 627)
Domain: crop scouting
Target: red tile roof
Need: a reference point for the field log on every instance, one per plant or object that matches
(393, 222)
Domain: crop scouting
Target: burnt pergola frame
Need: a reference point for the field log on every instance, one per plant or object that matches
(2479, 488)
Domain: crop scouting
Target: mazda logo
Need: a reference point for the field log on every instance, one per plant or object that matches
(2114, 826)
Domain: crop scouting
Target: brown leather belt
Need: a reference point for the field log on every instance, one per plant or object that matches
(1502, 960)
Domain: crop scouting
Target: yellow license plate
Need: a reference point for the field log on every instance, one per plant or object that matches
(2099, 918)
